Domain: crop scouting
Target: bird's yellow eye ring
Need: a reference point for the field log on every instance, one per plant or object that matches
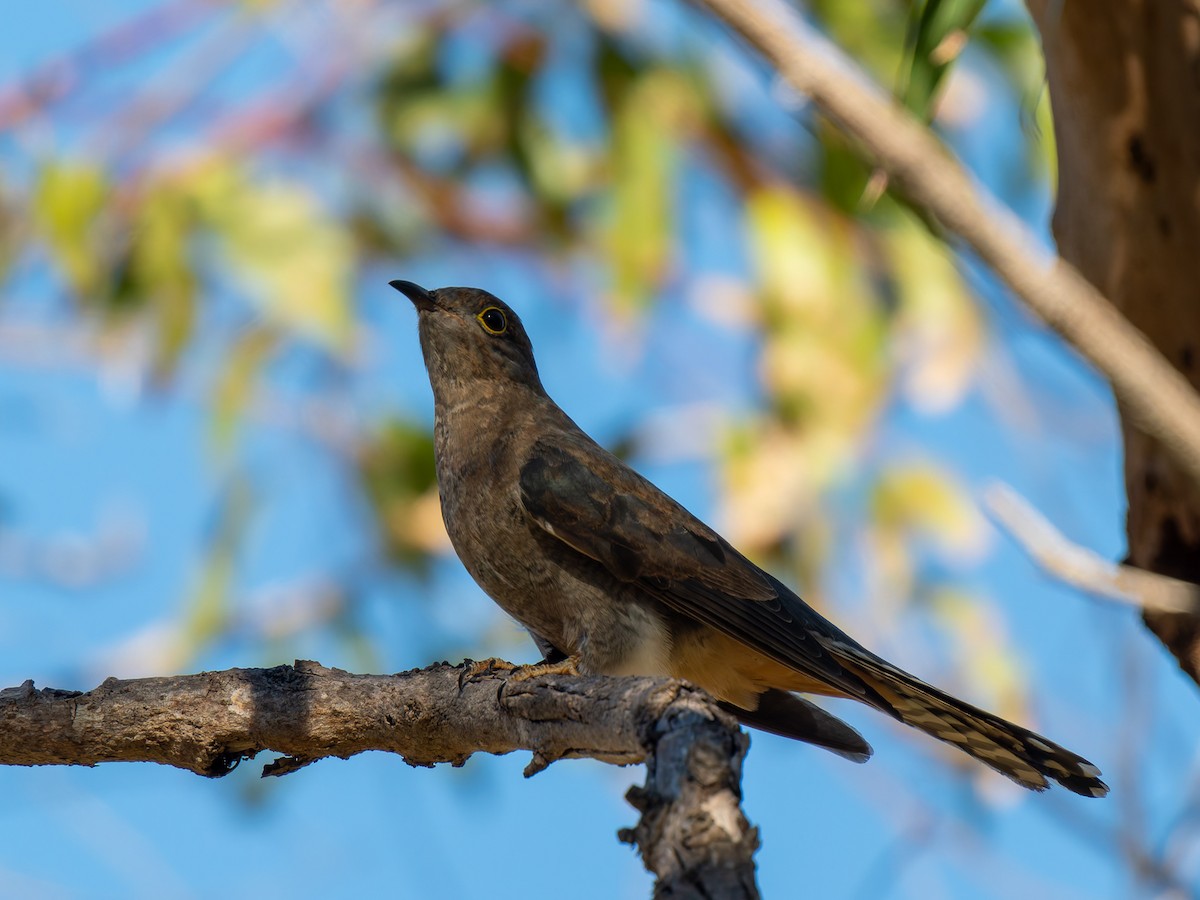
(493, 320)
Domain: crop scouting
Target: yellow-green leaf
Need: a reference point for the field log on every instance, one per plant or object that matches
(68, 200)
(938, 332)
(235, 386)
(397, 470)
(294, 259)
(984, 652)
(208, 612)
(162, 268)
(824, 360)
(921, 500)
(644, 155)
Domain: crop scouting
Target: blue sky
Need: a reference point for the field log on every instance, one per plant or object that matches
(82, 454)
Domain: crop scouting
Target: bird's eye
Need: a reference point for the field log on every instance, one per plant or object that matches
(493, 320)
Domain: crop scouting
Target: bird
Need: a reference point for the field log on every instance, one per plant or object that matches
(611, 576)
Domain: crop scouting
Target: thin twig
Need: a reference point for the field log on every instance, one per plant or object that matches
(1156, 396)
(1083, 568)
(56, 79)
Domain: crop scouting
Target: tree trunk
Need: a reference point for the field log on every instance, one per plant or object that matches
(1124, 81)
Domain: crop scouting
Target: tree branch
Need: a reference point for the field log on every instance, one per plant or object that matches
(1083, 568)
(692, 834)
(1159, 399)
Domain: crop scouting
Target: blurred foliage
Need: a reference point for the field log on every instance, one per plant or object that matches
(67, 204)
(397, 471)
(566, 133)
(148, 250)
(294, 260)
(937, 34)
(160, 272)
(234, 383)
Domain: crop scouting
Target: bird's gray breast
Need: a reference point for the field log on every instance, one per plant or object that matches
(551, 589)
(478, 470)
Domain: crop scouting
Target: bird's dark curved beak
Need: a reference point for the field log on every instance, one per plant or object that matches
(422, 299)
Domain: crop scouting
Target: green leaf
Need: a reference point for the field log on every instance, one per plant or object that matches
(68, 200)
(162, 269)
(920, 500)
(937, 33)
(644, 156)
(984, 651)
(235, 385)
(938, 334)
(10, 234)
(208, 612)
(398, 473)
(293, 258)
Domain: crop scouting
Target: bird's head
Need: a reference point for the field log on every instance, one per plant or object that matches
(469, 338)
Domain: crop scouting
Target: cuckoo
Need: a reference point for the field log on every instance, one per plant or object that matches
(612, 577)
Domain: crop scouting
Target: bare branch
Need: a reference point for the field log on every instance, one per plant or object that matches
(1159, 399)
(206, 723)
(1083, 568)
(692, 834)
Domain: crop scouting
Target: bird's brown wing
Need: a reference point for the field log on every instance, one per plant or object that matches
(586, 498)
(589, 500)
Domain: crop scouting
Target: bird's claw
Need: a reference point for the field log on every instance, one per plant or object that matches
(479, 669)
(476, 670)
(568, 666)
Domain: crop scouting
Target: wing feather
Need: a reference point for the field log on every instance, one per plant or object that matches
(582, 496)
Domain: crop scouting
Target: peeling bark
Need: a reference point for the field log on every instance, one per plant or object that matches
(1125, 86)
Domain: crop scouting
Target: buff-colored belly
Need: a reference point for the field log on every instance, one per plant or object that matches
(731, 671)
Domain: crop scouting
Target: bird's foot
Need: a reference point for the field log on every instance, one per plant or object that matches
(479, 669)
(568, 666)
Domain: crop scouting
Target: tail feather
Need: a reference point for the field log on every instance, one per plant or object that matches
(794, 717)
(1027, 758)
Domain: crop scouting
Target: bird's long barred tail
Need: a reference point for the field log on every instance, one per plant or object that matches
(1025, 757)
